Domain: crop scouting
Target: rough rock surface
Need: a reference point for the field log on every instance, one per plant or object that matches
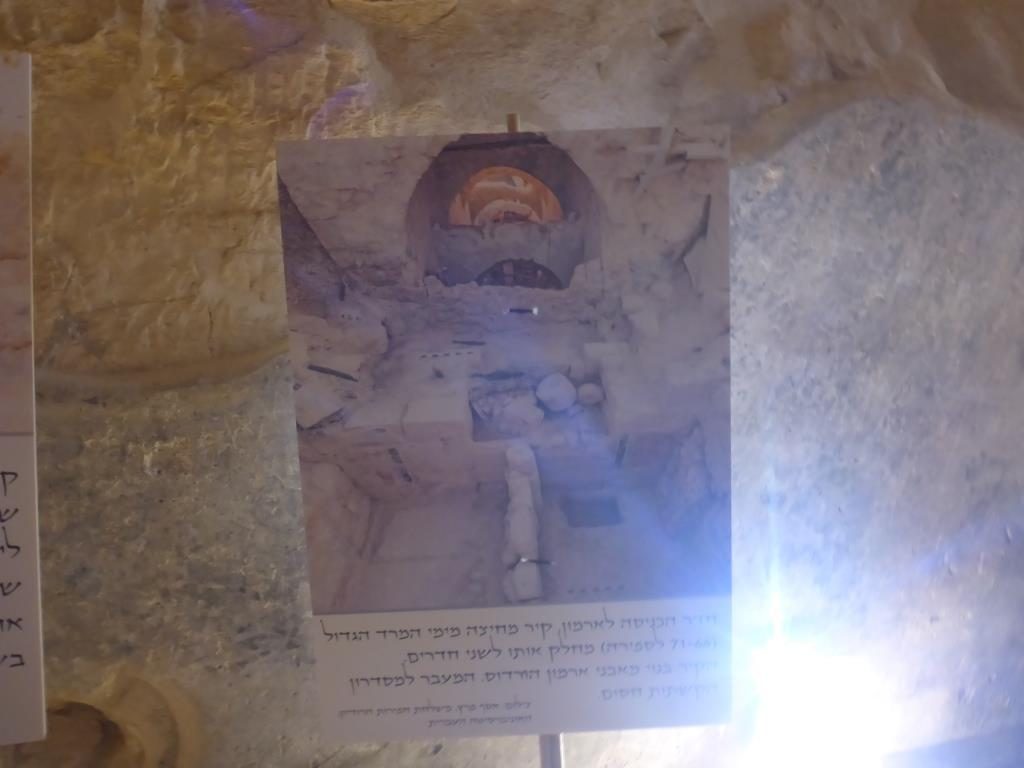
(877, 314)
(157, 245)
(876, 428)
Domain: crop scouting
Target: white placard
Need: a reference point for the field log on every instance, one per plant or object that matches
(22, 702)
(521, 670)
(511, 379)
(22, 715)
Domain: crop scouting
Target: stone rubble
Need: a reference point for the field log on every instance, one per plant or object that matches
(556, 392)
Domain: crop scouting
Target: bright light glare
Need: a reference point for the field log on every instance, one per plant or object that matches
(816, 710)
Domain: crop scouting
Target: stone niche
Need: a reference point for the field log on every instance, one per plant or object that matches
(503, 210)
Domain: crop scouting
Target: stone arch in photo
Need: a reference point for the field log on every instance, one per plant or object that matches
(493, 200)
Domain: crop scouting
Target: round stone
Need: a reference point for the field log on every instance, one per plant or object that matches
(556, 392)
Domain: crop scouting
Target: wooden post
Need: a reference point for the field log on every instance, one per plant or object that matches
(512, 122)
(551, 753)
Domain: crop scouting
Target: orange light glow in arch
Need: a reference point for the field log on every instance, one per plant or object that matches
(502, 194)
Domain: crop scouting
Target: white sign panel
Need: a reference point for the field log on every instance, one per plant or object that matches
(511, 378)
(22, 705)
(543, 669)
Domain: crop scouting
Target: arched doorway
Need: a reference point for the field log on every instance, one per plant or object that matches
(501, 193)
(520, 272)
(489, 206)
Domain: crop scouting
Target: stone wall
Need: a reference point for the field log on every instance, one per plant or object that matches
(157, 246)
(876, 473)
(462, 254)
(339, 532)
(876, 309)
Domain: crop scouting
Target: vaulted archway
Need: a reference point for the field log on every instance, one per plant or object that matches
(503, 194)
(489, 200)
(521, 272)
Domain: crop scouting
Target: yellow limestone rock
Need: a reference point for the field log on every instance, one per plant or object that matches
(157, 246)
(128, 722)
(405, 14)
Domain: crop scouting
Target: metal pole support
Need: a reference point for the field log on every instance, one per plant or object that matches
(551, 752)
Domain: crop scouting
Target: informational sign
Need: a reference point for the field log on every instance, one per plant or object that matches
(511, 378)
(519, 670)
(22, 711)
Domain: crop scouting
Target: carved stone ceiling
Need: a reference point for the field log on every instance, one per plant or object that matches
(157, 244)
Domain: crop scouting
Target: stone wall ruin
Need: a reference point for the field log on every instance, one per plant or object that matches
(420, 382)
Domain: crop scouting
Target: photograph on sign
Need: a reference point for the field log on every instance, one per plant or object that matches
(511, 381)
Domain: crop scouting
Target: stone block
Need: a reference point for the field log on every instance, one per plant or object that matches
(437, 466)
(556, 392)
(317, 396)
(520, 460)
(375, 422)
(337, 528)
(588, 277)
(346, 333)
(634, 302)
(380, 472)
(336, 508)
(523, 583)
(438, 416)
(645, 322)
